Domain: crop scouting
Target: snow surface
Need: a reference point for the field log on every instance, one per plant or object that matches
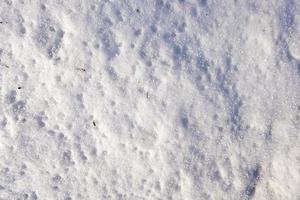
(149, 99)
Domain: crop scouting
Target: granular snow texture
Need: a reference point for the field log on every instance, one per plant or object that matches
(149, 99)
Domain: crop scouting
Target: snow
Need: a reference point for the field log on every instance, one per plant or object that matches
(149, 99)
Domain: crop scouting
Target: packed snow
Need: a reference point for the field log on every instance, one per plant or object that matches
(149, 99)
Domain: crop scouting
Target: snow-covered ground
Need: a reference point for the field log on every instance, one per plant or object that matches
(149, 99)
